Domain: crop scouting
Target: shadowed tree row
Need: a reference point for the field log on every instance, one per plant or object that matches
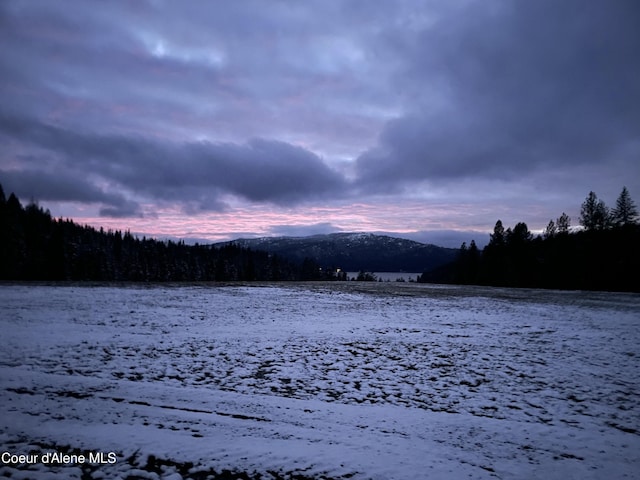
(35, 246)
(603, 255)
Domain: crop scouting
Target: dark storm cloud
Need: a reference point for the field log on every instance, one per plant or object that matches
(504, 88)
(135, 105)
(195, 174)
(36, 185)
(118, 93)
(229, 69)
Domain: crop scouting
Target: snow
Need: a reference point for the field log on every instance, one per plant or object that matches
(340, 380)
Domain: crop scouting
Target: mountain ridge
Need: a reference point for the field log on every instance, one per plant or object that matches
(354, 251)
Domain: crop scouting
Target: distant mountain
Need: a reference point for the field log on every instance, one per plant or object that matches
(355, 251)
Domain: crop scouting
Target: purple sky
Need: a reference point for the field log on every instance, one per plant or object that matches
(215, 120)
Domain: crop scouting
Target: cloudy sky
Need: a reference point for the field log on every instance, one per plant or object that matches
(217, 120)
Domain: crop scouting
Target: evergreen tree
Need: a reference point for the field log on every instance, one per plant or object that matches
(625, 212)
(563, 223)
(493, 266)
(497, 238)
(461, 264)
(519, 235)
(4, 235)
(473, 262)
(594, 214)
(551, 230)
(366, 277)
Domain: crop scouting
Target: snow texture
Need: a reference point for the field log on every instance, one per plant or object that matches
(342, 380)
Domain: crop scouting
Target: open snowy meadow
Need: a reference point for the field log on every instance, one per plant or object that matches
(318, 381)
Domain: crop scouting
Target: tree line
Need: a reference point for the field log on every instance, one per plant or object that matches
(35, 246)
(603, 255)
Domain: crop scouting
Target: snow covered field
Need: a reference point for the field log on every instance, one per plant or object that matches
(343, 380)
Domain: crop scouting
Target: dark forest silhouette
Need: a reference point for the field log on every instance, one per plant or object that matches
(603, 255)
(35, 246)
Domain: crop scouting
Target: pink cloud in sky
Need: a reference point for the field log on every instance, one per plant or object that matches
(261, 220)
